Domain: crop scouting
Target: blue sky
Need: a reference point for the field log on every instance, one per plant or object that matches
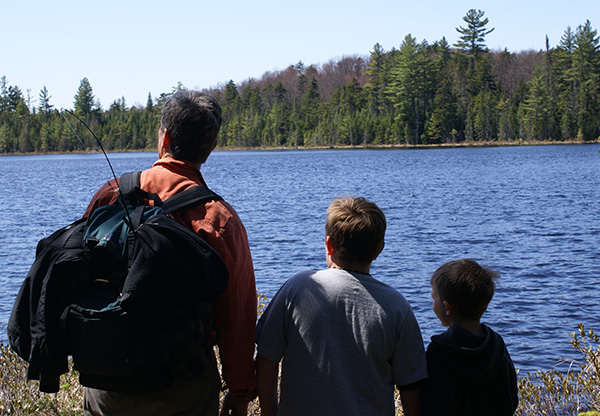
(132, 48)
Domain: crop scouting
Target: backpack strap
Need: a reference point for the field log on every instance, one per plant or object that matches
(131, 192)
(191, 196)
(129, 185)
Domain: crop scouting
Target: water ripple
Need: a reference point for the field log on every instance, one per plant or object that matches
(529, 212)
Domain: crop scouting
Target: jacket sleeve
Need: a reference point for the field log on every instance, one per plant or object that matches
(441, 389)
(106, 195)
(34, 326)
(235, 309)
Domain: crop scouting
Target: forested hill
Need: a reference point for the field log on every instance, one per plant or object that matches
(420, 93)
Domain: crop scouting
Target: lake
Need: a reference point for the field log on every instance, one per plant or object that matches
(530, 212)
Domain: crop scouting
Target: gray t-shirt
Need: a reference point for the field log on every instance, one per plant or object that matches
(345, 339)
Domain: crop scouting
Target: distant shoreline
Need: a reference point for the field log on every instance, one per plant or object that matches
(511, 143)
(422, 146)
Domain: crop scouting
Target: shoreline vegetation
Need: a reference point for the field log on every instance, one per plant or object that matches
(511, 143)
(575, 391)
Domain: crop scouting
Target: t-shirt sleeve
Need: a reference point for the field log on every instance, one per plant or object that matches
(271, 331)
(409, 364)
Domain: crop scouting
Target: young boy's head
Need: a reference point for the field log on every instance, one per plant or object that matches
(356, 228)
(463, 287)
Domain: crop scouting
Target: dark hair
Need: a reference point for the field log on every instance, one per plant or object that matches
(356, 228)
(193, 120)
(466, 285)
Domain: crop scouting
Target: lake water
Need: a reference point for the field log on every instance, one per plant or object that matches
(530, 212)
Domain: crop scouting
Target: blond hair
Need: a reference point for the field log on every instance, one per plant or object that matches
(356, 228)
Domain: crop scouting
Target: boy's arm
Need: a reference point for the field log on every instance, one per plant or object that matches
(411, 401)
(267, 373)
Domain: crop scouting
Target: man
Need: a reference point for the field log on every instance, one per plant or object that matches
(190, 122)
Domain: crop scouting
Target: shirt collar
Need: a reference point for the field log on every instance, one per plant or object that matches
(181, 167)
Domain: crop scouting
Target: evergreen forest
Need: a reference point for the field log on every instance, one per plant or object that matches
(420, 93)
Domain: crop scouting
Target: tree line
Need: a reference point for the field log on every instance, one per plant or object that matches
(420, 93)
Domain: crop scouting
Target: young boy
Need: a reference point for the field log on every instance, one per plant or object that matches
(470, 370)
(346, 339)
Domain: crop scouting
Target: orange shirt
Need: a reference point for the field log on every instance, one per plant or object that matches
(218, 224)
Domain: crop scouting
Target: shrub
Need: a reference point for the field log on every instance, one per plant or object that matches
(550, 393)
(20, 397)
(574, 392)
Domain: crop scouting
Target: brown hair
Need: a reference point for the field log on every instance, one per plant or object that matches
(193, 120)
(356, 228)
(466, 285)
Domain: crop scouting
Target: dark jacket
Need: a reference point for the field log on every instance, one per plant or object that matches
(470, 374)
(34, 329)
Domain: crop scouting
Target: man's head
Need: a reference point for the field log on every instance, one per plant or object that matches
(466, 286)
(191, 121)
(356, 228)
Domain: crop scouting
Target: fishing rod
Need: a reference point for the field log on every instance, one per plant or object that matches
(93, 134)
(121, 199)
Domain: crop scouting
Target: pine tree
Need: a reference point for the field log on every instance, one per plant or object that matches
(149, 103)
(483, 116)
(441, 126)
(586, 66)
(44, 106)
(84, 99)
(3, 94)
(14, 98)
(377, 73)
(473, 36)
(412, 87)
(309, 114)
(535, 112)
(566, 85)
(118, 105)
(230, 131)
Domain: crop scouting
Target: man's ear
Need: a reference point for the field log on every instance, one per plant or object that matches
(166, 142)
(328, 245)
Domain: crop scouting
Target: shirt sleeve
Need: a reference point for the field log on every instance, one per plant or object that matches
(409, 364)
(271, 331)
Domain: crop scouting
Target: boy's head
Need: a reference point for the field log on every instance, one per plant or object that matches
(466, 286)
(356, 228)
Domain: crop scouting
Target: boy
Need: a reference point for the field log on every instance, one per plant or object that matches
(470, 370)
(345, 338)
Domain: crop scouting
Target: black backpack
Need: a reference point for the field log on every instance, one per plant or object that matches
(127, 292)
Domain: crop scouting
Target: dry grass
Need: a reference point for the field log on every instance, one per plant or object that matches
(551, 393)
(20, 397)
(574, 392)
